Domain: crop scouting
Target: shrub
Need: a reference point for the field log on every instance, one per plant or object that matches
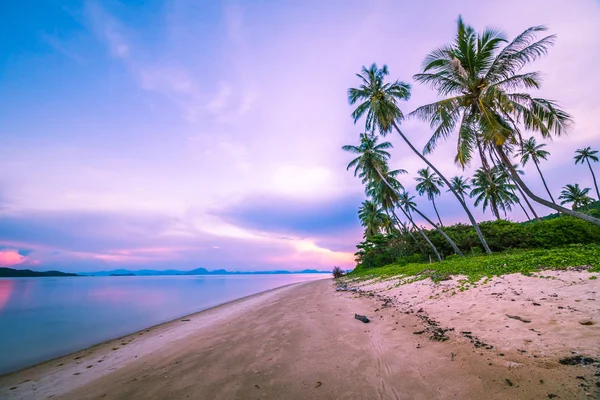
(402, 249)
(337, 272)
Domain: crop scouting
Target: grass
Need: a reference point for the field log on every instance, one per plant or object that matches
(477, 267)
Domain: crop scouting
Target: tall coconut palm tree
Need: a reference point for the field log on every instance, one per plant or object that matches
(429, 184)
(493, 188)
(460, 186)
(585, 155)
(378, 102)
(372, 217)
(371, 164)
(574, 194)
(530, 150)
(485, 95)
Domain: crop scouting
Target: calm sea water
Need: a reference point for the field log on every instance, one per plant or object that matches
(43, 318)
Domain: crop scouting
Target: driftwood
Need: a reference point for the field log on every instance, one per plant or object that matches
(362, 318)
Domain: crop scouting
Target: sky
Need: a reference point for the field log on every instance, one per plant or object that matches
(188, 133)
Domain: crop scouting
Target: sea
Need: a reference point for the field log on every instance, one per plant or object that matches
(47, 317)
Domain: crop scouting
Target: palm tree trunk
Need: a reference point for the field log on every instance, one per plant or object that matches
(594, 177)
(436, 211)
(492, 154)
(437, 254)
(403, 225)
(522, 208)
(409, 218)
(486, 248)
(488, 173)
(495, 210)
(454, 246)
(408, 231)
(507, 162)
(544, 181)
(527, 201)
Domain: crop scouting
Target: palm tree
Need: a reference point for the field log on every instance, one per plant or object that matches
(574, 194)
(378, 101)
(429, 184)
(460, 186)
(372, 218)
(371, 164)
(485, 98)
(386, 197)
(531, 150)
(493, 189)
(586, 155)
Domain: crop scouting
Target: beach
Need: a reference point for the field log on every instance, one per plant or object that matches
(302, 342)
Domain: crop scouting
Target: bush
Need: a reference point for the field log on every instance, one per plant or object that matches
(402, 249)
(337, 272)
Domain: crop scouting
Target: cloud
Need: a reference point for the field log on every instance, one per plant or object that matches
(85, 241)
(292, 216)
(11, 257)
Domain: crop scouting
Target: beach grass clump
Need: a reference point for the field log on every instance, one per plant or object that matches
(477, 267)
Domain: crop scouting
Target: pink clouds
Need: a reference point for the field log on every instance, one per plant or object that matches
(11, 257)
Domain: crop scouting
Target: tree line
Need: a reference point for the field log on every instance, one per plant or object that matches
(487, 108)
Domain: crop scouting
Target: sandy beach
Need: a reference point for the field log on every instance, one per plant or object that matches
(302, 342)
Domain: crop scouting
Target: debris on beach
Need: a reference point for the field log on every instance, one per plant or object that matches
(518, 318)
(343, 287)
(578, 360)
(362, 318)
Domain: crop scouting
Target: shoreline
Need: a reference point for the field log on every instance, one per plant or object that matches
(116, 338)
(302, 341)
(42, 368)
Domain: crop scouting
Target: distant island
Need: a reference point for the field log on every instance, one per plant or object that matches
(197, 271)
(27, 273)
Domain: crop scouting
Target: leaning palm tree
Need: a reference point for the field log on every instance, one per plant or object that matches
(493, 189)
(585, 155)
(371, 164)
(486, 100)
(372, 218)
(388, 198)
(429, 184)
(530, 150)
(378, 102)
(574, 194)
(460, 186)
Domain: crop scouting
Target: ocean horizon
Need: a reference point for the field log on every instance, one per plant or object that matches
(48, 317)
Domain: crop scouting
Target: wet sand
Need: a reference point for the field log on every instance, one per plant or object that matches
(300, 342)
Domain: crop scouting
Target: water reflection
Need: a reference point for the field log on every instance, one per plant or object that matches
(6, 287)
(42, 318)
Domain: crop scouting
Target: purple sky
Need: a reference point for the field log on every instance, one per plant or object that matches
(185, 134)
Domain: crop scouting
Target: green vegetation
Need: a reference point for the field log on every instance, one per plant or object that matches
(27, 273)
(480, 266)
(486, 105)
(380, 250)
